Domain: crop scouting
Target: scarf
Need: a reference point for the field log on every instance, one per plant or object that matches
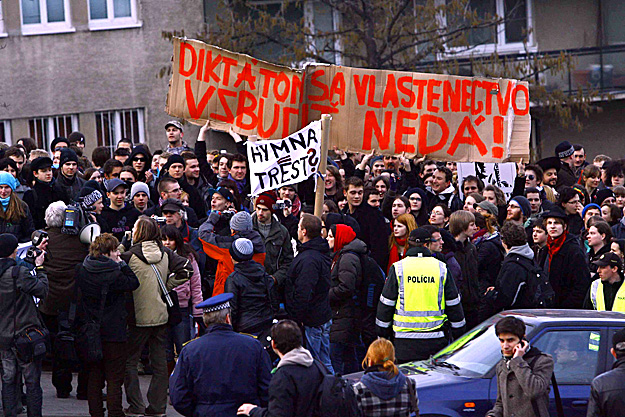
(344, 235)
(554, 245)
(394, 256)
(5, 202)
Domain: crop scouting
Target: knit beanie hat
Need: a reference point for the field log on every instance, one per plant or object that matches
(524, 203)
(564, 149)
(89, 196)
(241, 222)
(589, 206)
(8, 244)
(374, 160)
(67, 155)
(139, 187)
(8, 179)
(601, 195)
(174, 159)
(242, 250)
(267, 199)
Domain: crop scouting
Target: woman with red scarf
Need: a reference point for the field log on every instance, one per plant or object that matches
(346, 278)
(398, 241)
(565, 261)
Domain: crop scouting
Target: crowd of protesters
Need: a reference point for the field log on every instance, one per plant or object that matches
(185, 217)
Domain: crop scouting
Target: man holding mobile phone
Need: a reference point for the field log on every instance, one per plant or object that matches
(523, 375)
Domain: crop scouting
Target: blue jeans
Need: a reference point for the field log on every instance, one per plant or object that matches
(31, 372)
(179, 334)
(344, 359)
(318, 343)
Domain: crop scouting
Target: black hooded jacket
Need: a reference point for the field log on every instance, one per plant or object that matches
(67, 189)
(118, 278)
(254, 303)
(38, 199)
(607, 392)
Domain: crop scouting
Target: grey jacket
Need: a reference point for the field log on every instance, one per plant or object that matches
(20, 306)
(278, 247)
(518, 385)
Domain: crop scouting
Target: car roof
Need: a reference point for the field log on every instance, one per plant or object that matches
(553, 316)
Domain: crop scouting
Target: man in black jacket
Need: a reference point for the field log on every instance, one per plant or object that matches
(607, 391)
(68, 183)
(297, 378)
(119, 216)
(42, 194)
(307, 286)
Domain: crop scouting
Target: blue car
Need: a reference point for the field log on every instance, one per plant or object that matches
(460, 380)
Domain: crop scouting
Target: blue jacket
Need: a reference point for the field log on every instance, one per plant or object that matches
(219, 372)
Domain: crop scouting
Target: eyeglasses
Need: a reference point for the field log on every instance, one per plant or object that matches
(140, 159)
(176, 190)
(530, 177)
(168, 212)
(574, 202)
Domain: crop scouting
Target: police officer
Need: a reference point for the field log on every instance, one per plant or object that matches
(607, 292)
(221, 370)
(419, 303)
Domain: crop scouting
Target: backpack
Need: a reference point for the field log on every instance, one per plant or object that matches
(539, 292)
(373, 279)
(335, 396)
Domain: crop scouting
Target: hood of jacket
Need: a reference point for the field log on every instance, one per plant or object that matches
(252, 270)
(149, 252)
(99, 265)
(382, 386)
(6, 263)
(298, 356)
(318, 243)
(357, 246)
(524, 251)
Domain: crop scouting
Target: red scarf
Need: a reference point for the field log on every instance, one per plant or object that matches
(554, 245)
(394, 255)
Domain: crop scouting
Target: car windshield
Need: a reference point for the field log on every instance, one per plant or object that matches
(475, 353)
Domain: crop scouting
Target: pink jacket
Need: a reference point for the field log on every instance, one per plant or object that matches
(191, 290)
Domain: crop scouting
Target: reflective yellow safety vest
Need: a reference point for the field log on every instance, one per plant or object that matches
(419, 311)
(598, 302)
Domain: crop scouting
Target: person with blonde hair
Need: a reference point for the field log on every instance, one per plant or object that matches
(398, 241)
(383, 390)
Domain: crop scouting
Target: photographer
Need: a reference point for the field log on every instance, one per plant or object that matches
(64, 253)
(18, 313)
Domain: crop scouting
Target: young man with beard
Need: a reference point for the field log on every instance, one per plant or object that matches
(518, 211)
(550, 166)
(119, 216)
(42, 194)
(442, 191)
(68, 184)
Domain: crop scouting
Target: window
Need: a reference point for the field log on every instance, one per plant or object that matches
(45, 16)
(114, 125)
(112, 14)
(508, 35)
(2, 32)
(575, 353)
(5, 132)
(45, 129)
(323, 19)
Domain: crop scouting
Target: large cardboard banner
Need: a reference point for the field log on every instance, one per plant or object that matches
(445, 117)
(274, 163)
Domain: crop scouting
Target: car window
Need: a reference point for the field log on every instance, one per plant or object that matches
(575, 354)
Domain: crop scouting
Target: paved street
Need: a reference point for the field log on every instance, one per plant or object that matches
(71, 407)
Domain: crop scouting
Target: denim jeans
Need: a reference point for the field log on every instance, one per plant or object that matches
(344, 358)
(318, 343)
(32, 378)
(179, 334)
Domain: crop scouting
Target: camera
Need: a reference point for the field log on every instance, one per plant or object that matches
(160, 220)
(33, 252)
(282, 204)
(77, 222)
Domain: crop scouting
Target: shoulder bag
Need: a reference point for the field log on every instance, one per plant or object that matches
(170, 298)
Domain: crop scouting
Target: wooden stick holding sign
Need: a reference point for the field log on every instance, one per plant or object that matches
(325, 142)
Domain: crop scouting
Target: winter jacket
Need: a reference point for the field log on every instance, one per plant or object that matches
(21, 230)
(566, 176)
(278, 247)
(568, 273)
(592, 257)
(490, 254)
(63, 255)
(575, 224)
(511, 284)
(20, 306)
(149, 308)
(195, 200)
(38, 199)
(609, 295)
(293, 387)
(67, 189)
(374, 231)
(122, 220)
(217, 247)
(346, 278)
(190, 293)
(118, 278)
(308, 283)
(607, 392)
(618, 230)
(518, 385)
(448, 196)
(467, 257)
(254, 304)
(381, 394)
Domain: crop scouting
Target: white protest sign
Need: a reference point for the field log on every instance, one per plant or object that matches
(500, 174)
(274, 163)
